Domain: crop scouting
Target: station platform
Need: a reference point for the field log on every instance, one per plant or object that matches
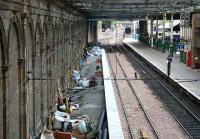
(186, 77)
(114, 123)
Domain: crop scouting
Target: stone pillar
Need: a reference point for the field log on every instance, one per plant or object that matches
(4, 84)
(88, 32)
(23, 101)
(92, 31)
(22, 70)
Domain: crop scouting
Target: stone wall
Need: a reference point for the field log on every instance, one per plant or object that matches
(40, 41)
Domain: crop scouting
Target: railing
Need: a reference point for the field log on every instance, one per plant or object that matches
(158, 44)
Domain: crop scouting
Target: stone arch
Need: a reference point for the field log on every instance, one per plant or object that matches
(37, 75)
(14, 75)
(30, 58)
(3, 90)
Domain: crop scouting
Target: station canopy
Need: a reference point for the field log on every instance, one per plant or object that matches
(129, 9)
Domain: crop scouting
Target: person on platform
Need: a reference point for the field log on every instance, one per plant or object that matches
(169, 60)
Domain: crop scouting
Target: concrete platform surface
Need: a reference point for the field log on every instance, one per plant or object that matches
(185, 76)
(114, 123)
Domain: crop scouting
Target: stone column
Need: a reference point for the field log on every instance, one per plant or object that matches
(92, 31)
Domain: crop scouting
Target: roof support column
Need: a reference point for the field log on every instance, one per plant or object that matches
(163, 35)
(157, 32)
(151, 36)
(171, 35)
(92, 31)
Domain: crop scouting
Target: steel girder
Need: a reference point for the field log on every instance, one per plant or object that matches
(99, 9)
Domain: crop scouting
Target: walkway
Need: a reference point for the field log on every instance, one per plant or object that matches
(185, 76)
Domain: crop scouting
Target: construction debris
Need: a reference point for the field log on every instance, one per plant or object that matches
(62, 124)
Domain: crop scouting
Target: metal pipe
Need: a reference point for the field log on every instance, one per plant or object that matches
(99, 135)
(105, 133)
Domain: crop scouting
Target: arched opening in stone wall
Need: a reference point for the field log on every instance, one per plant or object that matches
(67, 53)
(37, 78)
(75, 41)
(55, 59)
(49, 64)
(65, 49)
(3, 90)
(54, 44)
(14, 80)
(57, 46)
(71, 43)
(62, 61)
(61, 57)
(53, 81)
(67, 42)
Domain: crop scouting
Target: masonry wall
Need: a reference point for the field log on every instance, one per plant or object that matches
(40, 42)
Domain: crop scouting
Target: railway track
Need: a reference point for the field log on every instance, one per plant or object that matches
(132, 134)
(185, 110)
